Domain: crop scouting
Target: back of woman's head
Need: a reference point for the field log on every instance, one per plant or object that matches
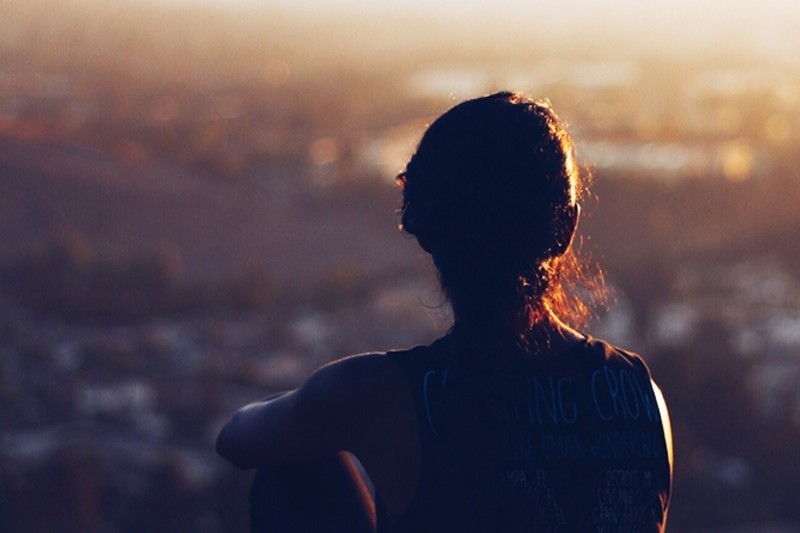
(492, 194)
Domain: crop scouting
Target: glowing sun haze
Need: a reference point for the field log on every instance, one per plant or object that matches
(720, 10)
(767, 21)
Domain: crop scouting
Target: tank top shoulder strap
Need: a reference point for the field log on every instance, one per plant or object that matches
(416, 361)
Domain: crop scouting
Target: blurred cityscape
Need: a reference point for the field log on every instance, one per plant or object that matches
(196, 215)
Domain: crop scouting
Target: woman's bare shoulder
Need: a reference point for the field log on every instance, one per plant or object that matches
(340, 406)
(368, 382)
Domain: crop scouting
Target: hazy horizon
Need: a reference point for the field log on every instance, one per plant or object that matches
(770, 23)
(714, 29)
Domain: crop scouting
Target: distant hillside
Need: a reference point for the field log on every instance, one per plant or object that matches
(267, 219)
(635, 220)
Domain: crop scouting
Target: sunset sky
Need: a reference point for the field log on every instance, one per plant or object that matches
(769, 26)
(674, 10)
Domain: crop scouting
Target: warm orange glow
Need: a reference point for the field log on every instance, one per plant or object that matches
(737, 159)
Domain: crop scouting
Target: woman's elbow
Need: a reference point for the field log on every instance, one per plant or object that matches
(231, 445)
(249, 438)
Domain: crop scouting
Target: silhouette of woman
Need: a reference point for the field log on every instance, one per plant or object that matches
(514, 420)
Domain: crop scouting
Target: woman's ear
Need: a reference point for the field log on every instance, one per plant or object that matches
(566, 224)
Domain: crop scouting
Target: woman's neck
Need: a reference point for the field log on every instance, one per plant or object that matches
(549, 336)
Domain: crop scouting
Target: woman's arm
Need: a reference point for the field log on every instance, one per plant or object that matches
(236, 441)
(321, 417)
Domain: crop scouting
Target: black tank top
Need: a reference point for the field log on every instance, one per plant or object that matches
(565, 443)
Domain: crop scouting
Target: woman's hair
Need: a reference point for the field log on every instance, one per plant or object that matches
(492, 194)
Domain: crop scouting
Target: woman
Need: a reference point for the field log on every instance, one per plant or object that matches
(514, 421)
